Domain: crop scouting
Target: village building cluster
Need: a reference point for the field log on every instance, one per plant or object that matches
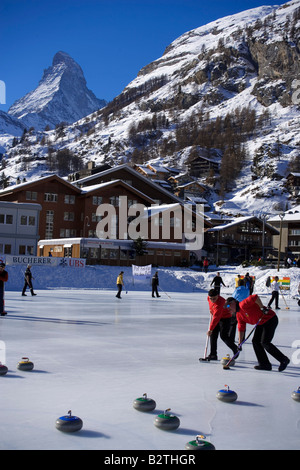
(66, 217)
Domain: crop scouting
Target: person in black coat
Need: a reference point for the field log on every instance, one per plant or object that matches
(155, 283)
(217, 281)
(28, 281)
(3, 279)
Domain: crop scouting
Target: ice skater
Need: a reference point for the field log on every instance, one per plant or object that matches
(3, 279)
(155, 283)
(120, 284)
(275, 293)
(220, 323)
(251, 310)
(28, 281)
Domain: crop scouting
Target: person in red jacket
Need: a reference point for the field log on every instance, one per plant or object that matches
(3, 279)
(251, 310)
(220, 323)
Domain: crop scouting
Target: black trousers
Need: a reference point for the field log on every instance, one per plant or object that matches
(275, 296)
(119, 290)
(27, 284)
(262, 342)
(222, 328)
(155, 290)
(2, 298)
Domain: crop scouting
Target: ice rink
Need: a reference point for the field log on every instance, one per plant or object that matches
(94, 354)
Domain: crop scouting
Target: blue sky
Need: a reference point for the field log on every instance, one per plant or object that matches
(110, 39)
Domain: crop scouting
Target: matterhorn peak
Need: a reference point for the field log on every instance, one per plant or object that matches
(61, 96)
(61, 56)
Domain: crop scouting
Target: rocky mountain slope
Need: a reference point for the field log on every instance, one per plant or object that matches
(227, 91)
(61, 96)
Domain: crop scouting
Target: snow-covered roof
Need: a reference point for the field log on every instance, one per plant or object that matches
(95, 187)
(238, 221)
(134, 172)
(37, 181)
(288, 216)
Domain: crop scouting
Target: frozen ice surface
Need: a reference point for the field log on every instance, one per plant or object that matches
(94, 354)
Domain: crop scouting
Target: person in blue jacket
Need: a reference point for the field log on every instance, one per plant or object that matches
(241, 292)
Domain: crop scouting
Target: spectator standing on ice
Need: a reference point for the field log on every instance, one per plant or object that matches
(120, 284)
(275, 293)
(217, 281)
(3, 279)
(155, 283)
(220, 323)
(249, 283)
(28, 281)
(252, 311)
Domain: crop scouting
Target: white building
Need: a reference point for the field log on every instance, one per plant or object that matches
(19, 227)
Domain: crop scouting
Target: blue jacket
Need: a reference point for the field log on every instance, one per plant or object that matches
(241, 293)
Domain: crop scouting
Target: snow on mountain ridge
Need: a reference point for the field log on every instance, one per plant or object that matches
(61, 96)
(218, 68)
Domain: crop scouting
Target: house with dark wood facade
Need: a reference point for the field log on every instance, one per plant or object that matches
(71, 212)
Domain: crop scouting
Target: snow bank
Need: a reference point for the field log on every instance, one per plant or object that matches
(170, 279)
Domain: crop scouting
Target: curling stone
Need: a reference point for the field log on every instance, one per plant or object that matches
(69, 423)
(25, 364)
(296, 395)
(3, 369)
(144, 404)
(199, 444)
(226, 395)
(226, 359)
(166, 421)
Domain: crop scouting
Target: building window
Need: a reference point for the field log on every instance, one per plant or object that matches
(31, 195)
(69, 216)
(114, 201)
(28, 220)
(104, 253)
(69, 199)
(50, 197)
(5, 249)
(97, 200)
(6, 219)
(96, 218)
(131, 202)
(67, 233)
(49, 224)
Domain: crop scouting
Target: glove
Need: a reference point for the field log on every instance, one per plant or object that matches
(265, 310)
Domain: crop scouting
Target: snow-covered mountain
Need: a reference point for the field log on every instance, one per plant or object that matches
(61, 96)
(227, 91)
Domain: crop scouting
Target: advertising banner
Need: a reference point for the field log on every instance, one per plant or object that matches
(141, 273)
(44, 261)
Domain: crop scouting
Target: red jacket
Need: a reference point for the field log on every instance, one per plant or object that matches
(250, 312)
(218, 311)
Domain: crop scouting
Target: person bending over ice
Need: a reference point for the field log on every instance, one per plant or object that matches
(220, 323)
(251, 310)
